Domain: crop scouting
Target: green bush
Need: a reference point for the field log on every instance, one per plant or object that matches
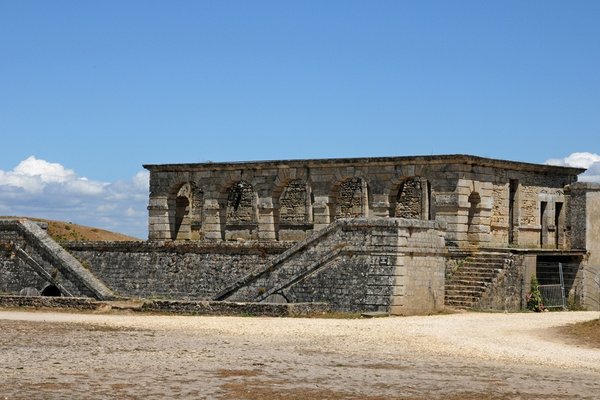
(534, 297)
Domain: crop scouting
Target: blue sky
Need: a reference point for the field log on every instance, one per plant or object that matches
(90, 91)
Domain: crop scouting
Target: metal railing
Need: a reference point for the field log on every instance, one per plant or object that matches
(553, 295)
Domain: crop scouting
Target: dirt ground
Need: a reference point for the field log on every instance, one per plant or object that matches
(46, 355)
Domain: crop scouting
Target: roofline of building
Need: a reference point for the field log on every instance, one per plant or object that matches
(340, 162)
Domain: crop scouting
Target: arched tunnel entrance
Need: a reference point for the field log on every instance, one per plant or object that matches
(51, 291)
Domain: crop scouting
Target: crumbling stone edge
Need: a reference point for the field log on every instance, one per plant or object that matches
(215, 308)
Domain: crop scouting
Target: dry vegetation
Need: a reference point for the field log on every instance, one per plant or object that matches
(67, 232)
(583, 333)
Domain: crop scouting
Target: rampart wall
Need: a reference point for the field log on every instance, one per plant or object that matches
(359, 264)
(188, 271)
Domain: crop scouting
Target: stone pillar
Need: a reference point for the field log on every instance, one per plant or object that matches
(212, 220)
(365, 198)
(321, 212)
(309, 205)
(266, 220)
(158, 218)
(529, 271)
(448, 211)
(425, 199)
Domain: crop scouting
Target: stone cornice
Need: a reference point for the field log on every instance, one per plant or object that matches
(456, 159)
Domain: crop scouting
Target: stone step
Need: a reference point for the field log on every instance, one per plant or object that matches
(482, 265)
(487, 259)
(460, 304)
(460, 301)
(472, 278)
(490, 255)
(469, 281)
(461, 298)
(479, 269)
(476, 269)
(483, 276)
(461, 287)
(473, 291)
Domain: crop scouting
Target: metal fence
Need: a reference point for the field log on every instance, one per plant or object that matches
(553, 295)
(557, 279)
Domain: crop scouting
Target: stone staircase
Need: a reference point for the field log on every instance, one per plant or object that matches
(46, 258)
(352, 264)
(309, 254)
(474, 275)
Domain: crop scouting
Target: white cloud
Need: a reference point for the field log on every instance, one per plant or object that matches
(47, 172)
(141, 180)
(590, 161)
(38, 188)
(34, 176)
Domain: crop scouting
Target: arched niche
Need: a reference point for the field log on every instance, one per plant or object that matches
(473, 220)
(293, 220)
(350, 198)
(411, 199)
(241, 219)
(185, 212)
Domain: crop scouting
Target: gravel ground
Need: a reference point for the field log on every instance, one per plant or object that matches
(458, 356)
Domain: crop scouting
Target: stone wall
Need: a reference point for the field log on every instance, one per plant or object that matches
(499, 222)
(235, 308)
(392, 265)
(361, 264)
(506, 290)
(16, 275)
(186, 271)
(71, 303)
(584, 218)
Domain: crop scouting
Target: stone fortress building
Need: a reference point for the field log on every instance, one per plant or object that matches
(398, 234)
(484, 202)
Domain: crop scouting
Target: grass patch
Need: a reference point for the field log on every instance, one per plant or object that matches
(583, 333)
(62, 231)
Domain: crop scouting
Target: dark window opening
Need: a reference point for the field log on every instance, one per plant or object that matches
(512, 215)
(543, 224)
(430, 209)
(182, 204)
(558, 224)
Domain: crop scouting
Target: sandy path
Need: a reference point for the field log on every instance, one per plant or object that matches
(459, 356)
